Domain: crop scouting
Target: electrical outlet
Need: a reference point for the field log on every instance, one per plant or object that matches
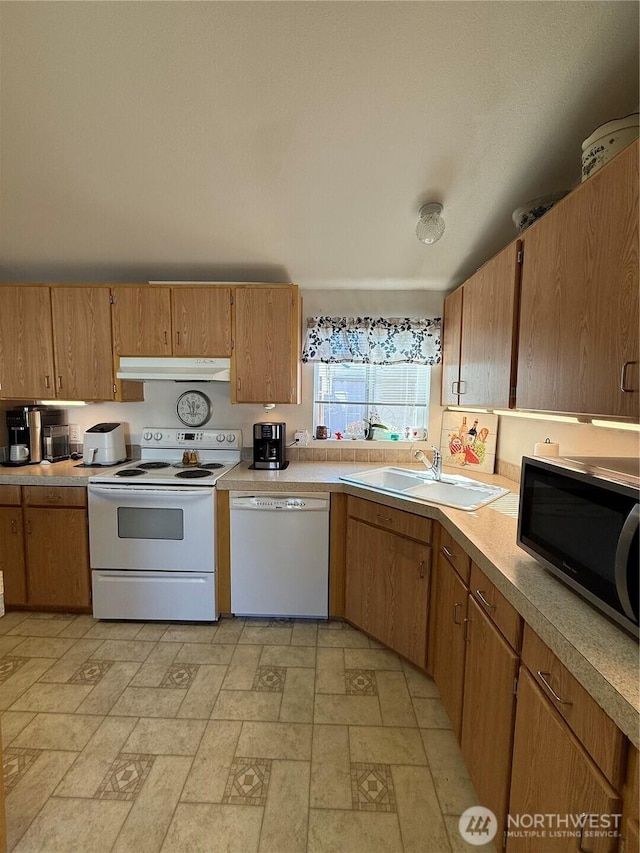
(301, 436)
(74, 434)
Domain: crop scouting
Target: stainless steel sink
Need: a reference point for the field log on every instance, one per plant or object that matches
(452, 490)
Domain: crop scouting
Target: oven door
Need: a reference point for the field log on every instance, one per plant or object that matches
(154, 528)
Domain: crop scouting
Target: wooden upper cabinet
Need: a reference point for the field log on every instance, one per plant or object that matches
(141, 318)
(82, 342)
(266, 362)
(201, 321)
(451, 338)
(26, 343)
(578, 347)
(489, 331)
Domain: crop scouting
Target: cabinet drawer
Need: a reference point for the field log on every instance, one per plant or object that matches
(454, 555)
(600, 736)
(10, 495)
(496, 606)
(404, 523)
(54, 495)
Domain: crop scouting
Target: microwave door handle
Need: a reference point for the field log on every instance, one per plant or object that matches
(622, 559)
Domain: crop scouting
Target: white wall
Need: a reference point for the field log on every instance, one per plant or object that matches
(517, 436)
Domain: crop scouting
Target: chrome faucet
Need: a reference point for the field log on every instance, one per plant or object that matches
(434, 467)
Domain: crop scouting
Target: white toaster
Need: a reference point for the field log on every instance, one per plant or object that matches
(104, 444)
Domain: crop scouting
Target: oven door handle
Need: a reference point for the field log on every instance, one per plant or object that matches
(622, 560)
(153, 491)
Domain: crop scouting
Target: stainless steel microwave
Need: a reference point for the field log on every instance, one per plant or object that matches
(580, 517)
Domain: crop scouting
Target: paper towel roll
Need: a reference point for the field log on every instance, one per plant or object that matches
(546, 448)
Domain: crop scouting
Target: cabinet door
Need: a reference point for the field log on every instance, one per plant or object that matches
(490, 672)
(26, 343)
(201, 321)
(579, 309)
(451, 338)
(141, 320)
(266, 345)
(552, 774)
(449, 609)
(405, 566)
(12, 555)
(57, 550)
(631, 805)
(387, 588)
(363, 591)
(82, 342)
(489, 324)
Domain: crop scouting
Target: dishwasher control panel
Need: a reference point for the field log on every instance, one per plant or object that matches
(240, 501)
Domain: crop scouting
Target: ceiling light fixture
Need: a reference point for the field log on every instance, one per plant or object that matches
(430, 227)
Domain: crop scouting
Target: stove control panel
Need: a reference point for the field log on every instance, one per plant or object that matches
(228, 439)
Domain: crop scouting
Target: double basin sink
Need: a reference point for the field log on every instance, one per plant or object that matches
(451, 490)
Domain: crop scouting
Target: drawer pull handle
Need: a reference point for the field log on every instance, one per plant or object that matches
(583, 819)
(455, 613)
(448, 553)
(543, 676)
(421, 568)
(28, 526)
(384, 518)
(465, 630)
(486, 604)
(14, 526)
(623, 378)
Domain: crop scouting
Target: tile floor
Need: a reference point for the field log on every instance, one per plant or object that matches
(250, 735)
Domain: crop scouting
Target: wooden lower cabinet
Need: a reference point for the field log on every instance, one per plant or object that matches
(57, 557)
(553, 774)
(3, 816)
(491, 669)
(44, 548)
(12, 563)
(631, 806)
(449, 598)
(387, 588)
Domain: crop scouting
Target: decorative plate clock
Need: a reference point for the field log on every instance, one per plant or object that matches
(193, 408)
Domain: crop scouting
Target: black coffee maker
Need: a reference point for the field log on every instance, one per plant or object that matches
(269, 446)
(25, 425)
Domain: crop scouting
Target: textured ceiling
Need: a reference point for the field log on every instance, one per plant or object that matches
(292, 140)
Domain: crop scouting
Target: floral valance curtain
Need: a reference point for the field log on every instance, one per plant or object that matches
(373, 340)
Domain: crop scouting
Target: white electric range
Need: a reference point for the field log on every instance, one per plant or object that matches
(152, 527)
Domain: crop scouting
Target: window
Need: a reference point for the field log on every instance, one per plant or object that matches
(396, 395)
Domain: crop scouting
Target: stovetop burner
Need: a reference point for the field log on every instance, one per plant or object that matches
(193, 473)
(162, 448)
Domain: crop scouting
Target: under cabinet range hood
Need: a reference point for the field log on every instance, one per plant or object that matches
(176, 369)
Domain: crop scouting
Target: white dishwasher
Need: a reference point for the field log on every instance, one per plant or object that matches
(280, 554)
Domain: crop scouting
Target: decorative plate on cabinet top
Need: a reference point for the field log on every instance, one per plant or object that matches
(526, 215)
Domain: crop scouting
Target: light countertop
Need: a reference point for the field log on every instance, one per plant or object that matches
(602, 657)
